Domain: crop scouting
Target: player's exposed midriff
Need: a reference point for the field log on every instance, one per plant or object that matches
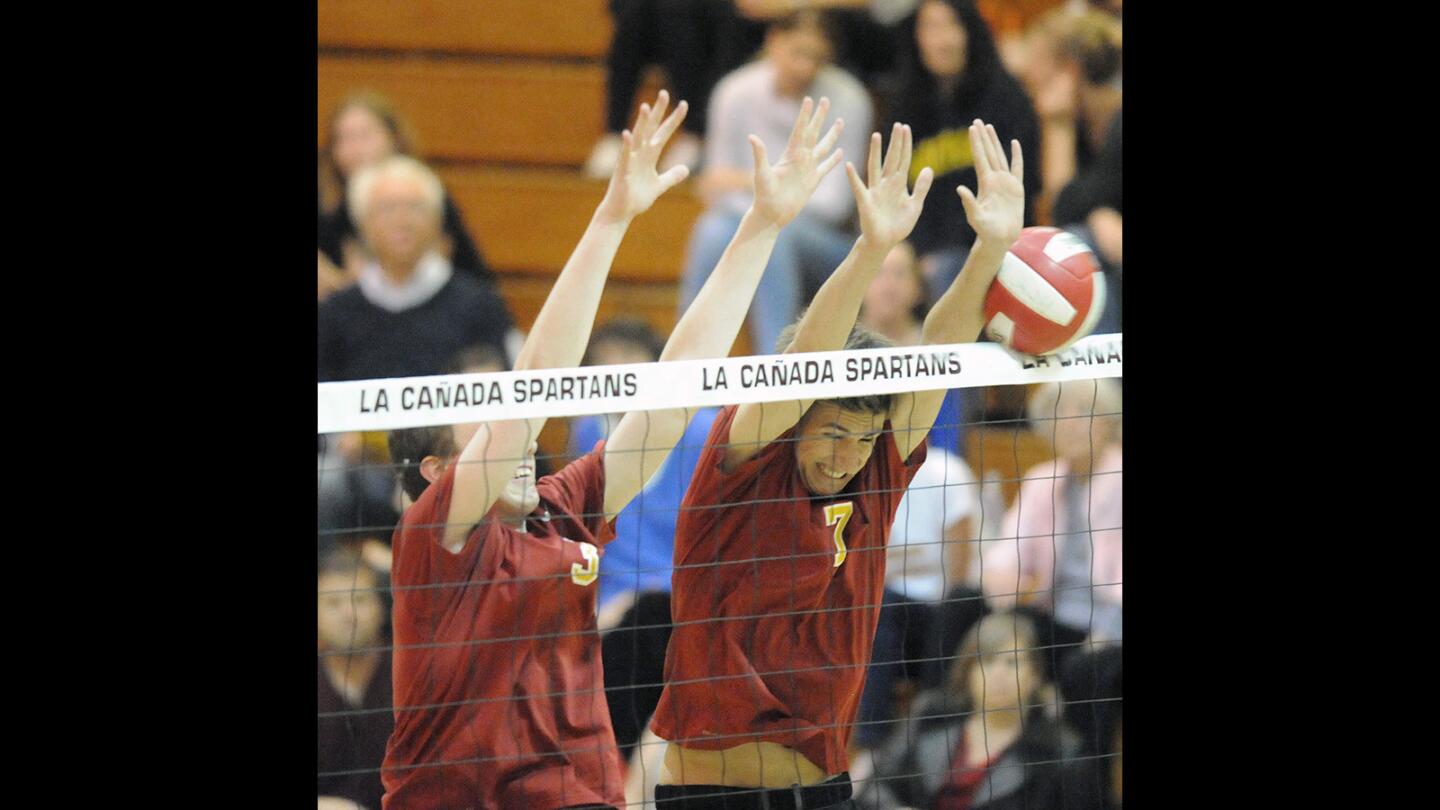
(763, 764)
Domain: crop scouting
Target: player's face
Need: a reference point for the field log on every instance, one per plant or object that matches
(520, 496)
(941, 38)
(360, 139)
(834, 445)
(350, 611)
(400, 224)
(798, 56)
(1003, 680)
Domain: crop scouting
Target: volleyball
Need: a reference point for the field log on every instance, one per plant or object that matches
(1049, 293)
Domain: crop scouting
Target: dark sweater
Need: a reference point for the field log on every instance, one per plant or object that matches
(354, 741)
(360, 341)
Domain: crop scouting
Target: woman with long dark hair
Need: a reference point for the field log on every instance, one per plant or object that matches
(950, 74)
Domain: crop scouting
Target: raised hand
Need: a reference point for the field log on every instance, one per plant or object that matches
(888, 210)
(783, 189)
(998, 214)
(636, 185)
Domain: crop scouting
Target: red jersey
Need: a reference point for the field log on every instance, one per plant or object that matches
(499, 699)
(777, 593)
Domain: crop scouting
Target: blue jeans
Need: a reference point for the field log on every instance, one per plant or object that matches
(805, 254)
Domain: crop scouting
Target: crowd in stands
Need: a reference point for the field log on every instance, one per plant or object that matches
(995, 680)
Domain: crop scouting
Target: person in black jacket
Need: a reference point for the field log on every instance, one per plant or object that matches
(950, 74)
(364, 129)
(985, 740)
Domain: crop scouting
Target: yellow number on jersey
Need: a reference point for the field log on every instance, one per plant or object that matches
(585, 574)
(837, 515)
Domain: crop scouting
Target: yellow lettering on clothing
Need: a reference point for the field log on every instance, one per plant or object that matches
(837, 515)
(586, 574)
(945, 152)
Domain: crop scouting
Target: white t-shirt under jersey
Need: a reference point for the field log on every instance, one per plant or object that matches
(943, 493)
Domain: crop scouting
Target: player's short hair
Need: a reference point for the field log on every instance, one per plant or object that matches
(358, 192)
(630, 331)
(860, 338)
(410, 446)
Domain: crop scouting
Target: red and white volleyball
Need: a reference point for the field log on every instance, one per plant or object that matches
(1049, 293)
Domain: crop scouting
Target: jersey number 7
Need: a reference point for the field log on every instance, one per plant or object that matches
(837, 515)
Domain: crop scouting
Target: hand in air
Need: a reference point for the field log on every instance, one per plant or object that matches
(783, 189)
(888, 210)
(636, 185)
(998, 214)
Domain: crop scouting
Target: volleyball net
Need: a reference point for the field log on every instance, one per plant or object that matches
(1001, 577)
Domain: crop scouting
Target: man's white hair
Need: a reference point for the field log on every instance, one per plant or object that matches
(363, 183)
(1096, 397)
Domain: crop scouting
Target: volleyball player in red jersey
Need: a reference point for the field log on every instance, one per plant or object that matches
(499, 701)
(780, 544)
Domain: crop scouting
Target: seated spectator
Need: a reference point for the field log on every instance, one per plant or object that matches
(763, 98)
(1074, 69)
(867, 31)
(363, 130)
(950, 74)
(984, 740)
(1060, 544)
(684, 38)
(354, 680)
(410, 312)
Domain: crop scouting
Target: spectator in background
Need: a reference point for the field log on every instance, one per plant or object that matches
(409, 312)
(354, 680)
(867, 31)
(763, 98)
(684, 37)
(1074, 70)
(363, 130)
(950, 74)
(984, 740)
(1060, 544)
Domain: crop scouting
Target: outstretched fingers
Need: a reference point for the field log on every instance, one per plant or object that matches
(812, 131)
(1017, 161)
(668, 127)
(872, 169)
(802, 123)
(922, 184)
(892, 155)
(828, 142)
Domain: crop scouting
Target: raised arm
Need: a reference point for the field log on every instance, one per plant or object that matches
(997, 215)
(642, 440)
(562, 329)
(887, 214)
